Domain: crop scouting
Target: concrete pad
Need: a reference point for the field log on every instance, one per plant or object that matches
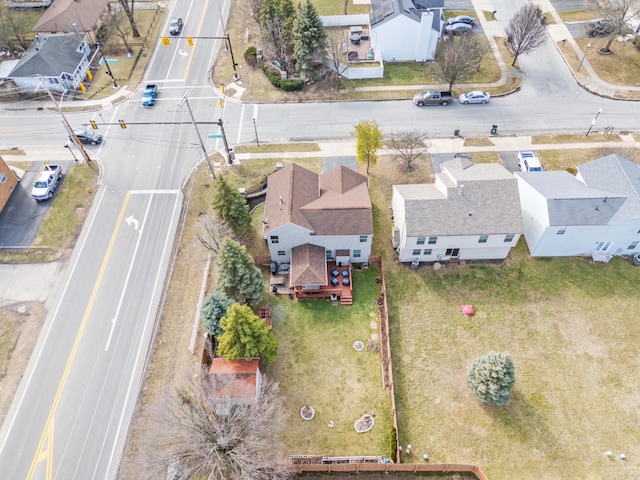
(28, 282)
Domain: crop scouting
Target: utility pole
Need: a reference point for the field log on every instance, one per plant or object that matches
(66, 124)
(115, 85)
(185, 100)
(233, 61)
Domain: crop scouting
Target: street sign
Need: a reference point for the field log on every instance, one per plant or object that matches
(214, 135)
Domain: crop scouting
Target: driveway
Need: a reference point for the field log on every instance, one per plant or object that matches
(22, 216)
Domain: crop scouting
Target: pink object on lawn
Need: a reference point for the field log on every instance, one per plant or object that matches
(467, 310)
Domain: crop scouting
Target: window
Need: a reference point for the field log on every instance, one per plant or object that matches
(483, 238)
(329, 255)
(427, 251)
(632, 246)
(364, 238)
(416, 252)
(509, 237)
(3, 178)
(421, 240)
(274, 239)
(357, 253)
(281, 253)
(433, 240)
(561, 231)
(604, 246)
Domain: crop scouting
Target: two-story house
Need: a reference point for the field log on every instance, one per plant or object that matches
(471, 212)
(594, 213)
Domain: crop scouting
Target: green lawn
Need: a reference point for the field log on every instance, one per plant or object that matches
(569, 325)
(317, 365)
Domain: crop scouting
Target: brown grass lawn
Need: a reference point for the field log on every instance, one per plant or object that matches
(570, 328)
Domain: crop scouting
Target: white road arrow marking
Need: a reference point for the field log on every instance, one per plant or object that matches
(182, 52)
(131, 220)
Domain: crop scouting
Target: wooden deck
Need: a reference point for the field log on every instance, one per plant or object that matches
(341, 291)
(279, 285)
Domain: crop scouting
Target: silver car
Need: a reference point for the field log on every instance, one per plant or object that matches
(474, 97)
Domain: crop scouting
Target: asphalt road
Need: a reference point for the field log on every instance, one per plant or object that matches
(70, 416)
(71, 413)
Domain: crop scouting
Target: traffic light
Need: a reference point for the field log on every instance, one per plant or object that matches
(94, 125)
(220, 103)
(166, 41)
(190, 41)
(82, 87)
(122, 124)
(222, 88)
(89, 75)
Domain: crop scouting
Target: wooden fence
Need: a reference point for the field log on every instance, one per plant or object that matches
(391, 467)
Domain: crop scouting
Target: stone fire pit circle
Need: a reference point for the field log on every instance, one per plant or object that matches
(358, 345)
(307, 412)
(364, 423)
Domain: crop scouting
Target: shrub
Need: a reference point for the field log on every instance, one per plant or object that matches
(636, 42)
(274, 77)
(291, 84)
(492, 377)
(392, 442)
(250, 56)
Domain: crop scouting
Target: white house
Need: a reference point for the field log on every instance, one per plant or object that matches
(331, 211)
(60, 61)
(406, 30)
(471, 212)
(596, 213)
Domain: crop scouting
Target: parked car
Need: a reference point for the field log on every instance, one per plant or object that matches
(175, 26)
(432, 97)
(604, 27)
(462, 155)
(528, 162)
(46, 182)
(474, 97)
(458, 29)
(462, 19)
(88, 136)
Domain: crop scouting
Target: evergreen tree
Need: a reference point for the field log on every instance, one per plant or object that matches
(230, 205)
(276, 25)
(238, 277)
(213, 309)
(310, 40)
(368, 140)
(492, 377)
(246, 336)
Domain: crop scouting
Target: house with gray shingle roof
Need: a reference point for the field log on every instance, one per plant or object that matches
(595, 213)
(311, 219)
(56, 62)
(471, 212)
(74, 16)
(406, 30)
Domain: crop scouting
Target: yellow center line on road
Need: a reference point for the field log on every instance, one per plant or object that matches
(195, 41)
(46, 452)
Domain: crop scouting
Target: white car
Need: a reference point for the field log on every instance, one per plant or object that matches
(474, 97)
(528, 162)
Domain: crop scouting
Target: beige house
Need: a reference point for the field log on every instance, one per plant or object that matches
(74, 16)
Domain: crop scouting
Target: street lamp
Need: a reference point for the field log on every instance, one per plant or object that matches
(593, 122)
(584, 56)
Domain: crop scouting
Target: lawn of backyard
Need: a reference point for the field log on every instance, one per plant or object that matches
(570, 327)
(317, 365)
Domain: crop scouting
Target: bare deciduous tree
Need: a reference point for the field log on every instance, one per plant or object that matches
(14, 26)
(212, 231)
(129, 13)
(121, 26)
(617, 13)
(336, 55)
(526, 31)
(256, 9)
(408, 146)
(205, 434)
(459, 58)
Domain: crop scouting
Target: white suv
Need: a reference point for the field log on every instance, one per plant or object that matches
(528, 162)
